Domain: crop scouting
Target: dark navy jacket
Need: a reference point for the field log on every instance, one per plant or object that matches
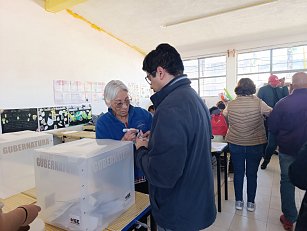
(288, 122)
(177, 163)
(271, 95)
(298, 177)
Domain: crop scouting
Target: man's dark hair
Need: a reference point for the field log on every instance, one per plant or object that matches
(221, 105)
(245, 87)
(212, 109)
(166, 57)
(151, 107)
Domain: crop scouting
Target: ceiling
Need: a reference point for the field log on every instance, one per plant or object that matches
(195, 24)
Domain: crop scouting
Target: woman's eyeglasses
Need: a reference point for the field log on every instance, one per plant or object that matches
(119, 104)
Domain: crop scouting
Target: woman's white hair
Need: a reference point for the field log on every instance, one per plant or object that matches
(111, 90)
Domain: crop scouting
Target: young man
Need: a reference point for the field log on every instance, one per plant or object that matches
(177, 159)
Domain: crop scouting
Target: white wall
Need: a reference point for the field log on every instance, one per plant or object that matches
(37, 47)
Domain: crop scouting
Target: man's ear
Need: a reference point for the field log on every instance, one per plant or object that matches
(160, 72)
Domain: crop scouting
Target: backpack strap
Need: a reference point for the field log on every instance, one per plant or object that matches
(276, 97)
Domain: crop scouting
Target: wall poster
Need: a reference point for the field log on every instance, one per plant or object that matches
(15, 120)
(77, 92)
(79, 114)
(52, 118)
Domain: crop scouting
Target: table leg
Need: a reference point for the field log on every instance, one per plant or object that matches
(218, 167)
(138, 223)
(226, 174)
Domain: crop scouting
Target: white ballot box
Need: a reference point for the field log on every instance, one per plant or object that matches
(16, 160)
(84, 184)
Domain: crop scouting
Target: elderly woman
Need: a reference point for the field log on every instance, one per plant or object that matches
(123, 121)
(246, 137)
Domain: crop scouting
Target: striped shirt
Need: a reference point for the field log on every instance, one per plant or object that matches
(245, 118)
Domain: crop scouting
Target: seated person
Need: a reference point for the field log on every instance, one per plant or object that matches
(218, 122)
(221, 105)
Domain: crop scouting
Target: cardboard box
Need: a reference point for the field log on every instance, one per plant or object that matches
(84, 184)
(16, 160)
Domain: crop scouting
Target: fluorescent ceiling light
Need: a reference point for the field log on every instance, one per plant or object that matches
(259, 3)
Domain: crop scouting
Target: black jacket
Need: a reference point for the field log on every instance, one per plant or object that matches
(177, 163)
(298, 176)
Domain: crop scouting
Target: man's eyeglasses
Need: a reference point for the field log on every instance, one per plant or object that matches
(119, 104)
(148, 78)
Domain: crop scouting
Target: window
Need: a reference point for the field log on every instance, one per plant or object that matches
(191, 68)
(208, 75)
(194, 84)
(254, 62)
(283, 62)
(210, 67)
(293, 58)
(212, 86)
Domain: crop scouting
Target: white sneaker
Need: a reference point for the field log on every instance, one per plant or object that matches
(239, 205)
(250, 206)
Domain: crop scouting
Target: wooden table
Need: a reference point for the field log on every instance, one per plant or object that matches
(125, 222)
(13, 202)
(217, 148)
(88, 127)
(79, 134)
(128, 219)
(30, 193)
(75, 135)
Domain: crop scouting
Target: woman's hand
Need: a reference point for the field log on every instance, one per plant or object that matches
(130, 135)
(32, 212)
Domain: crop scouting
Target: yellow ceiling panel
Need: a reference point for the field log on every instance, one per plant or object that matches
(58, 5)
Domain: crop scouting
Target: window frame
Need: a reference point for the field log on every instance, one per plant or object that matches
(271, 72)
(201, 77)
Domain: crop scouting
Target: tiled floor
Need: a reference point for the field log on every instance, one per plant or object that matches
(268, 209)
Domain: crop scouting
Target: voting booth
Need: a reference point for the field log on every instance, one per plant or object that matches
(84, 184)
(16, 160)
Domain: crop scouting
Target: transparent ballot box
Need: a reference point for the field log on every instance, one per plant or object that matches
(16, 160)
(84, 184)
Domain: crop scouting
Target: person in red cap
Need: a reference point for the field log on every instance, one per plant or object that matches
(271, 94)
